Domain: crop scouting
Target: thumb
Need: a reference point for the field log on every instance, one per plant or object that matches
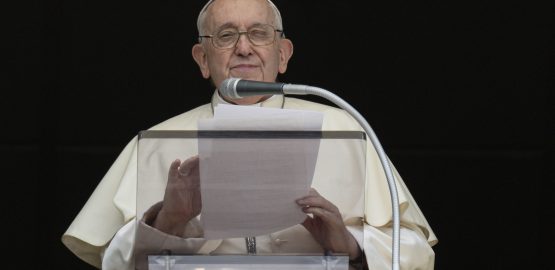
(308, 223)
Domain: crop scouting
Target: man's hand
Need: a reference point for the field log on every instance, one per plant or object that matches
(182, 197)
(326, 225)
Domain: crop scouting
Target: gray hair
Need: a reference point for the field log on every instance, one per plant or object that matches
(202, 16)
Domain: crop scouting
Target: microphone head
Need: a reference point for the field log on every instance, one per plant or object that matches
(228, 88)
(236, 88)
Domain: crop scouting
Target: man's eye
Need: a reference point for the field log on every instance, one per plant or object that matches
(226, 35)
(258, 33)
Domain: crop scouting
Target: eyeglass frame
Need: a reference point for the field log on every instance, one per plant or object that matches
(239, 33)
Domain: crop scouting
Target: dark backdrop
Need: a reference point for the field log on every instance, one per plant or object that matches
(459, 93)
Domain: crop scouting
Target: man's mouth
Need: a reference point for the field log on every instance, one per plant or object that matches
(244, 67)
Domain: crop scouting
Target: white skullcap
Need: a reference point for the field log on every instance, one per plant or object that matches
(276, 13)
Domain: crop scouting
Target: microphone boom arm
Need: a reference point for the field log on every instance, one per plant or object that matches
(310, 90)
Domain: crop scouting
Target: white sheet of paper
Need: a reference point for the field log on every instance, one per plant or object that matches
(249, 185)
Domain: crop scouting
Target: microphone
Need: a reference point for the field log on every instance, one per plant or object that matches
(238, 88)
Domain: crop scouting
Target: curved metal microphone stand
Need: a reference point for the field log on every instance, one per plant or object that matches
(310, 90)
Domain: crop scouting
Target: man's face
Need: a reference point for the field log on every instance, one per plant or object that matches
(246, 61)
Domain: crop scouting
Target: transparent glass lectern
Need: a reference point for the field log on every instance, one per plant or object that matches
(249, 183)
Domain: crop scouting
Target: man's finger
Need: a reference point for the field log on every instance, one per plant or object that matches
(188, 166)
(172, 173)
(317, 201)
(313, 192)
(322, 213)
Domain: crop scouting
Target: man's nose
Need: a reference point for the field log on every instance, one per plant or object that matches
(244, 45)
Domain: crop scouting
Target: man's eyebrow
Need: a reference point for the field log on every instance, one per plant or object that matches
(232, 25)
(227, 25)
(257, 24)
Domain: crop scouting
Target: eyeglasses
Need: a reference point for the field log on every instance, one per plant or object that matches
(258, 35)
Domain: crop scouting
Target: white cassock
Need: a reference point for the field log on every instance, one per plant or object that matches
(103, 233)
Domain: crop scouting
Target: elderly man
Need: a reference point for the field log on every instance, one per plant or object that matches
(242, 39)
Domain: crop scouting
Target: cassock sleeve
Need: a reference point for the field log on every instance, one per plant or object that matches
(416, 235)
(102, 216)
(136, 240)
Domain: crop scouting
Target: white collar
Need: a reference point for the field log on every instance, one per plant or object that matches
(275, 101)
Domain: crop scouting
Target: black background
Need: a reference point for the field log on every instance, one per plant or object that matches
(459, 93)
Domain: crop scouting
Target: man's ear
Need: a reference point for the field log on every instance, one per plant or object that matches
(285, 53)
(200, 57)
